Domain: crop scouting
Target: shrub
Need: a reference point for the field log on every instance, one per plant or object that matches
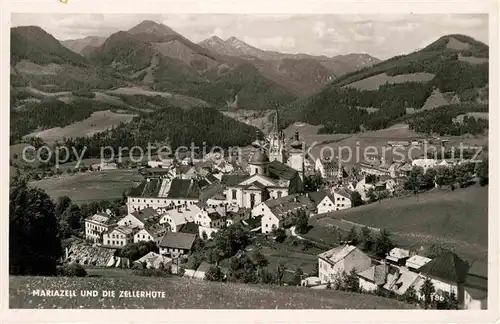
(153, 273)
(71, 270)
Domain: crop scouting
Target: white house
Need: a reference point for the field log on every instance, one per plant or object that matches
(323, 202)
(152, 233)
(179, 216)
(175, 244)
(342, 199)
(279, 213)
(97, 224)
(211, 217)
(398, 256)
(118, 237)
(343, 258)
(424, 163)
(447, 273)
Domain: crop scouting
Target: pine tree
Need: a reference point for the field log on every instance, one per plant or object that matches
(352, 236)
(427, 290)
(383, 243)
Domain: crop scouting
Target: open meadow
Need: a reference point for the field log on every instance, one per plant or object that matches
(185, 293)
(90, 186)
(99, 121)
(375, 142)
(457, 220)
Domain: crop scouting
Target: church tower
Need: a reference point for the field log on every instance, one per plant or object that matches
(276, 141)
(296, 155)
(259, 161)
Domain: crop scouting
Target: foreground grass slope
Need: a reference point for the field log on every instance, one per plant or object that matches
(185, 294)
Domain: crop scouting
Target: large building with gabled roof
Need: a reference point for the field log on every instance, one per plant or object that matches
(163, 193)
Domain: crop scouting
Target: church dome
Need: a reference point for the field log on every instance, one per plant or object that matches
(296, 144)
(259, 157)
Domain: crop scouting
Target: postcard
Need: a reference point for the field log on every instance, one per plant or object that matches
(291, 158)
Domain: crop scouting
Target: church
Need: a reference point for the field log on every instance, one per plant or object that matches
(274, 171)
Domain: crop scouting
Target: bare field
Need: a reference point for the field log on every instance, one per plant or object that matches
(374, 82)
(90, 186)
(132, 91)
(473, 59)
(33, 68)
(98, 122)
(186, 293)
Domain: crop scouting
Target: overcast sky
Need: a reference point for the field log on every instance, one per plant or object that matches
(382, 36)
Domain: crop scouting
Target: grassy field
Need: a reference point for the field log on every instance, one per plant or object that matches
(90, 186)
(97, 122)
(185, 294)
(374, 82)
(374, 143)
(292, 257)
(454, 219)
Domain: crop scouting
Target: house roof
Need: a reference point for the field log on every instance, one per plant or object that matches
(376, 274)
(280, 170)
(280, 207)
(476, 286)
(154, 259)
(256, 184)
(184, 214)
(336, 254)
(447, 266)
(178, 240)
(231, 180)
(155, 230)
(400, 279)
(204, 266)
(190, 228)
(146, 188)
(417, 261)
(145, 214)
(344, 192)
(211, 178)
(398, 253)
(184, 188)
(101, 218)
(214, 213)
(253, 222)
(123, 229)
(316, 196)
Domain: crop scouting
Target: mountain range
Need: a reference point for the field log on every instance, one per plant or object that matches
(346, 93)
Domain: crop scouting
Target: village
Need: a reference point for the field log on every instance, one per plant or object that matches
(181, 207)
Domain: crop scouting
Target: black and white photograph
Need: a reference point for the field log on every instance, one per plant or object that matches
(249, 161)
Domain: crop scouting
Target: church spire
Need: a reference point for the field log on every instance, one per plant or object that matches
(276, 124)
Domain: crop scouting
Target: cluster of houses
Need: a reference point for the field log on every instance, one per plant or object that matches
(210, 194)
(402, 269)
(178, 202)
